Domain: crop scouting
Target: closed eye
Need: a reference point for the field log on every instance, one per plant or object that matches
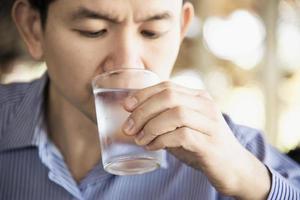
(150, 34)
(93, 34)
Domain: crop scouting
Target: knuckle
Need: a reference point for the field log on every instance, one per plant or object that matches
(170, 95)
(200, 92)
(138, 114)
(167, 84)
(186, 134)
(210, 105)
(214, 110)
(180, 113)
(187, 138)
(208, 96)
(141, 111)
(204, 93)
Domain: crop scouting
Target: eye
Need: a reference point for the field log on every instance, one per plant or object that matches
(150, 34)
(93, 34)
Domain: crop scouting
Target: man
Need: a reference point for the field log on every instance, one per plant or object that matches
(49, 146)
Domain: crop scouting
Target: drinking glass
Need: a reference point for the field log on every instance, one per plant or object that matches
(120, 154)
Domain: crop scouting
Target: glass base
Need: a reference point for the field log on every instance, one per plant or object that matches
(131, 165)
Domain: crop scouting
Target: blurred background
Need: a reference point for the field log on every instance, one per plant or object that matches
(246, 53)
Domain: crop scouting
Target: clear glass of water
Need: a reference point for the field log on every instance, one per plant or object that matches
(120, 154)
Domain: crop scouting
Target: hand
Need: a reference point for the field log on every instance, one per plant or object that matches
(188, 124)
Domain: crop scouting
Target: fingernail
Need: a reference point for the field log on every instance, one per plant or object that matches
(131, 102)
(129, 126)
(140, 136)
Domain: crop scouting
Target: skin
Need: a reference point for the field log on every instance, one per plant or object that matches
(77, 46)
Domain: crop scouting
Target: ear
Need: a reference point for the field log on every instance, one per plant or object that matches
(186, 18)
(29, 25)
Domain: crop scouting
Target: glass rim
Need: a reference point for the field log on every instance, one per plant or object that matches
(120, 70)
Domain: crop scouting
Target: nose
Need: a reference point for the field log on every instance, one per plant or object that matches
(126, 52)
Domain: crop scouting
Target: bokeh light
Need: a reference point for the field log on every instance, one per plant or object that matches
(246, 106)
(238, 37)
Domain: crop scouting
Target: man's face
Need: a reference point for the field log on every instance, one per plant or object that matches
(84, 38)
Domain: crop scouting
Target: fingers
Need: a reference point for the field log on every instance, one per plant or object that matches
(184, 137)
(141, 96)
(173, 119)
(162, 102)
(161, 112)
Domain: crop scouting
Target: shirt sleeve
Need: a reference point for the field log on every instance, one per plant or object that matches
(285, 173)
(282, 188)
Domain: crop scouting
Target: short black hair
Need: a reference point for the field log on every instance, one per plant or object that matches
(43, 5)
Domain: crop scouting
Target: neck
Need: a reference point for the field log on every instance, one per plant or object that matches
(73, 133)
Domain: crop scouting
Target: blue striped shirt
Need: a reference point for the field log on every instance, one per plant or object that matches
(31, 167)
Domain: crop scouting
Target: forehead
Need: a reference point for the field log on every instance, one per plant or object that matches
(120, 8)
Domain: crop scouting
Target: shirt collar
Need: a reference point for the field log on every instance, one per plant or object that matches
(20, 131)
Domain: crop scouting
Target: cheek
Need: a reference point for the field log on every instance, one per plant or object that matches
(71, 67)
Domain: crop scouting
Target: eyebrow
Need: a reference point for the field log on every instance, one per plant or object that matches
(84, 13)
(156, 17)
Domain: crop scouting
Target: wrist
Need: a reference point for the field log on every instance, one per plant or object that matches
(255, 181)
